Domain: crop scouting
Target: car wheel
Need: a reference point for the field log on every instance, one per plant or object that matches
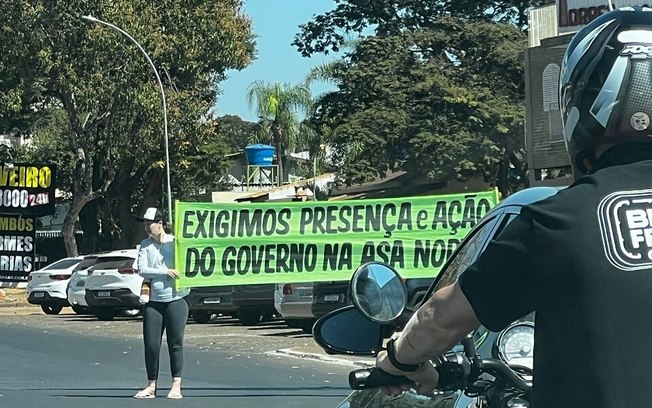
(248, 317)
(131, 312)
(201, 316)
(104, 314)
(293, 323)
(51, 309)
(80, 310)
(306, 326)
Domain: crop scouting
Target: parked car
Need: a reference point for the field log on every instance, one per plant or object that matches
(253, 303)
(293, 301)
(76, 291)
(47, 286)
(113, 285)
(329, 296)
(205, 302)
(513, 345)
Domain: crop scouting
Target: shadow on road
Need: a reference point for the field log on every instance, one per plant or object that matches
(204, 392)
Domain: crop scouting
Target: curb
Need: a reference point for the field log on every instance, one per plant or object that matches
(17, 304)
(324, 358)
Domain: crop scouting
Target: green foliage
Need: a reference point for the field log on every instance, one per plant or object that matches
(50, 144)
(235, 132)
(329, 31)
(54, 65)
(442, 102)
(277, 105)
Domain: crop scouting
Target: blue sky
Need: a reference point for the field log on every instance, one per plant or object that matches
(275, 22)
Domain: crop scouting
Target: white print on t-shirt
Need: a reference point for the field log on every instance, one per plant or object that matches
(626, 228)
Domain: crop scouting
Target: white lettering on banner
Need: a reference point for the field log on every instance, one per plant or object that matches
(22, 199)
(13, 243)
(14, 198)
(16, 263)
(573, 14)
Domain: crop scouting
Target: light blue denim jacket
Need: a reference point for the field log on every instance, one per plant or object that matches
(154, 260)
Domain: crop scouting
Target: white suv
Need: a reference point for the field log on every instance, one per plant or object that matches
(76, 291)
(47, 286)
(113, 285)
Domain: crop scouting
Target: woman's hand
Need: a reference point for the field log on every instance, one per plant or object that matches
(172, 274)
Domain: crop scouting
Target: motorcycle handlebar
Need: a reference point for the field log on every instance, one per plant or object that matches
(451, 376)
(374, 378)
(496, 366)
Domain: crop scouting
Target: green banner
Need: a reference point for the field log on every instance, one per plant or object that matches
(233, 244)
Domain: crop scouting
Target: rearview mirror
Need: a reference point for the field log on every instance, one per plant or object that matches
(347, 331)
(377, 290)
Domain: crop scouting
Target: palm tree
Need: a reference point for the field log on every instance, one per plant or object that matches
(276, 105)
(330, 71)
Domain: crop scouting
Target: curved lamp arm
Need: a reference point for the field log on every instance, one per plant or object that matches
(165, 114)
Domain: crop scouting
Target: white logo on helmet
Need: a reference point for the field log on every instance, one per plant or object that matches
(640, 121)
(637, 51)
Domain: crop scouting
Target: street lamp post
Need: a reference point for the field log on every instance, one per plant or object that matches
(165, 112)
(322, 148)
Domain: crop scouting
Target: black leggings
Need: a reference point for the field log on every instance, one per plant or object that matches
(169, 317)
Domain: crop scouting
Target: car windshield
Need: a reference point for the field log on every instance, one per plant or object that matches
(114, 262)
(62, 264)
(470, 249)
(85, 264)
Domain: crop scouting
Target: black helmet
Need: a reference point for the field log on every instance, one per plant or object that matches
(605, 84)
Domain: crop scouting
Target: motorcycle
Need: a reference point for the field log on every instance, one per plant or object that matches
(379, 308)
(488, 369)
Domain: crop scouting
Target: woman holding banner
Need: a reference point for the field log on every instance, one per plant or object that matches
(166, 310)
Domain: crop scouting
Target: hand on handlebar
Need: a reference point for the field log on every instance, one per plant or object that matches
(424, 380)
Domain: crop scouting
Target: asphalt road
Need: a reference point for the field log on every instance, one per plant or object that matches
(77, 361)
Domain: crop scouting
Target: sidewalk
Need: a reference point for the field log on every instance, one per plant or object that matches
(15, 303)
(14, 297)
(353, 361)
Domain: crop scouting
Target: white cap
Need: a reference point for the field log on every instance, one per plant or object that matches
(151, 214)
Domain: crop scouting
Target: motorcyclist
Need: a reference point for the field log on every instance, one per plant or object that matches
(582, 259)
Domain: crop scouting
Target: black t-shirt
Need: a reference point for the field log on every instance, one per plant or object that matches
(582, 260)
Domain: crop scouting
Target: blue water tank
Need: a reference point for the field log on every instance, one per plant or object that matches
(259, 154)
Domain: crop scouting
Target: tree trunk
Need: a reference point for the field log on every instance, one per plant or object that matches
(132, 232)
(153, 193)
(83, 190)
(502, 181)
(68, 228)
(127, 224)
(89, 223)
(68, 231)
(277, 135)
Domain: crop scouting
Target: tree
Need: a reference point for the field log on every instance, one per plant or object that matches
(235, 132)
(441, 103)
(277, 105)
(58, 63)
(420, 57)
(330, 30)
